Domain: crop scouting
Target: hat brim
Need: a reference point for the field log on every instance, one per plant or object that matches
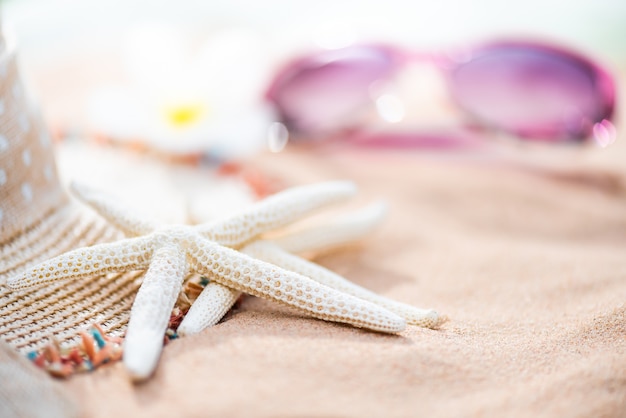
(30, 317)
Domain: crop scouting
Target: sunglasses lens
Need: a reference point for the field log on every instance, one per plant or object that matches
(535, 92)
(324, 92)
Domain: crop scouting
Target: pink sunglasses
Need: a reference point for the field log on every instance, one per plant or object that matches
(534, 91)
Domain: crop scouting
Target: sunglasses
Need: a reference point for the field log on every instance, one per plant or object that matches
(533, 91)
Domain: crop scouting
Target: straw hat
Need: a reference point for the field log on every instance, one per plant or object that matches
(38, 220)
(31, 392)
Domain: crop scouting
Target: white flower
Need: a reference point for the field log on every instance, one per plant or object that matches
(185, 100)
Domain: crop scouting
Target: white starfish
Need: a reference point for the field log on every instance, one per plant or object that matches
(216, 300)
(169, 253)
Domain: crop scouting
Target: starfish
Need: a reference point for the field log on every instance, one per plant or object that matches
(169, 253)
(216, 300)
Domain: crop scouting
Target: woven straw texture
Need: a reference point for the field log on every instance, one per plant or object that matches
(38, 220)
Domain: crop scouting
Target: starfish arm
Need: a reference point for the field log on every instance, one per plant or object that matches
(270, 253)
(341, 231)
(214, 302)
(276, 211)
(124, 218)
(241, 272)
(114, 257)
(151, 311)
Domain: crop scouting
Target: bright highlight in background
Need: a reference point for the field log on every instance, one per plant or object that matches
(390, 108)
(604, 132)
(278, 137)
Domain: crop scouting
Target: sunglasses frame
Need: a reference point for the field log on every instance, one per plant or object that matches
(448, 63)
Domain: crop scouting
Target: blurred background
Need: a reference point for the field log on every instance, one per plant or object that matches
(597, 26)
(70, 47)
(188, 76)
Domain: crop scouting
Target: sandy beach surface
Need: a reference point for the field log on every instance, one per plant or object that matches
(528, 263)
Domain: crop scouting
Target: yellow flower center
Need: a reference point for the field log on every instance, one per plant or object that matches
(185, 114)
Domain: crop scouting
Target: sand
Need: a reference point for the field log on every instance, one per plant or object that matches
(529, 265)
